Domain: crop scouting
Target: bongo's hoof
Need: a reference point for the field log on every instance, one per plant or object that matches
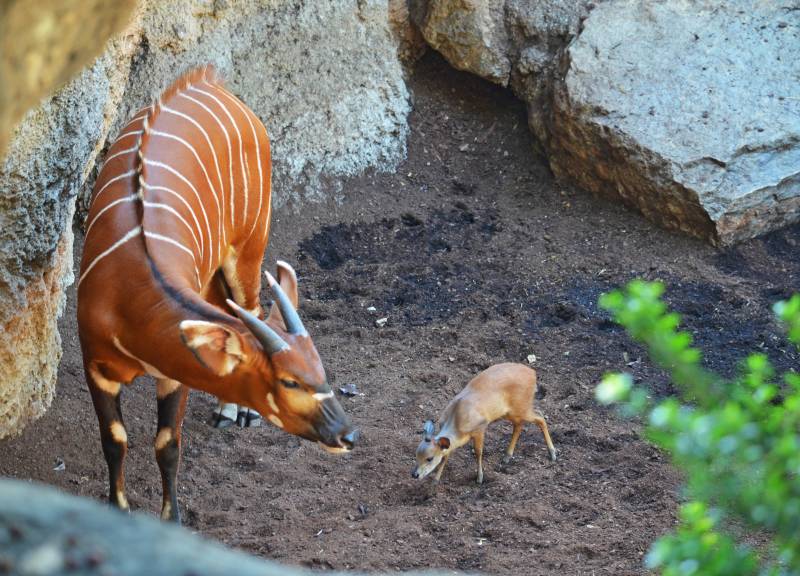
(248, 418)
(224, 416)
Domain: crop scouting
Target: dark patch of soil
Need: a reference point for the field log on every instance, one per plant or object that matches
(475, 256)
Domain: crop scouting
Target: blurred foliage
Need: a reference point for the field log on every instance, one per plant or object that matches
(737, 441)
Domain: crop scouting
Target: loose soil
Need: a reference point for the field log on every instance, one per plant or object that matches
(475, 256)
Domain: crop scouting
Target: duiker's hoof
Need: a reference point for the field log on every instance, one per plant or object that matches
(506, 459)
(553, 455)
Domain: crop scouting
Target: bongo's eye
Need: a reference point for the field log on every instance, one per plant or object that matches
(429, 459)
(289, 383)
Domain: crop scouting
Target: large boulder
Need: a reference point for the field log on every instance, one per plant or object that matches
(684, 110)
(323, 76)
(47, 533)
(515, 43)
(688, 111)
(471, 34)
(49, 158)
(539, 33)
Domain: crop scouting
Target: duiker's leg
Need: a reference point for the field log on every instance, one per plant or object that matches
(537, 419)
(518, 425)
(477, 440)
(441, 468)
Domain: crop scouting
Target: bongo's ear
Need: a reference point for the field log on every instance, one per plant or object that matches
(218, 347)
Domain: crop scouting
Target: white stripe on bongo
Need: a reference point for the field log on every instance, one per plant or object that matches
(247, 113)
(110, 182)
(241, 153)
(185, 203)
(168, 240)
(170, 209)
(186, 181)
(111, 205)
(227, 139)
(120, 153)
(131, 234)
(208, 179)
(126, 134)
(221, 217)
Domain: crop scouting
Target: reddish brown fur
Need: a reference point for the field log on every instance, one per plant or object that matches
(141, 307)
(179, 222)
(501, 391)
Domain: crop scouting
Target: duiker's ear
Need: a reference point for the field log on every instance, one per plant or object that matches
(443, 442)
(427, 430)
(218, 347)
(288, 281)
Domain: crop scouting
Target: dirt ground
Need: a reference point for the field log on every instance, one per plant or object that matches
(475, 256)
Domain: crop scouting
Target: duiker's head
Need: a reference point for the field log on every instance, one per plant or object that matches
(277, 366)
(430, 451)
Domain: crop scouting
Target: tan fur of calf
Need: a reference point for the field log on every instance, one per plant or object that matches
(501, 391)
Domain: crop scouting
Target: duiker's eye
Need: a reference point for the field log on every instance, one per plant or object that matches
(289, 383)
(429, 459)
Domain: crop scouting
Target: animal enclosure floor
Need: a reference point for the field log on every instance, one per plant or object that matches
(475, 256)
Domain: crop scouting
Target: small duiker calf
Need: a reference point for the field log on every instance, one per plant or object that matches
(501, 391)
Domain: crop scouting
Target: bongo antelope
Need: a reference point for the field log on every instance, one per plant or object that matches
(501, 391)
(170, 278)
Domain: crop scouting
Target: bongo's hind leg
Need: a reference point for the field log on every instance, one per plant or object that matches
(106, 399)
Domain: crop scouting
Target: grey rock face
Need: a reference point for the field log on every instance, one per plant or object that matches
(323, 76)
(41, 47)
(688, 111)
(540, 32)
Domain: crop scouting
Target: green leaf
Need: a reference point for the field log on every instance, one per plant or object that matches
(737, 443)
(614, 388)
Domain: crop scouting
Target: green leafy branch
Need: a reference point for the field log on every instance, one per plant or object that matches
(737, 441)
